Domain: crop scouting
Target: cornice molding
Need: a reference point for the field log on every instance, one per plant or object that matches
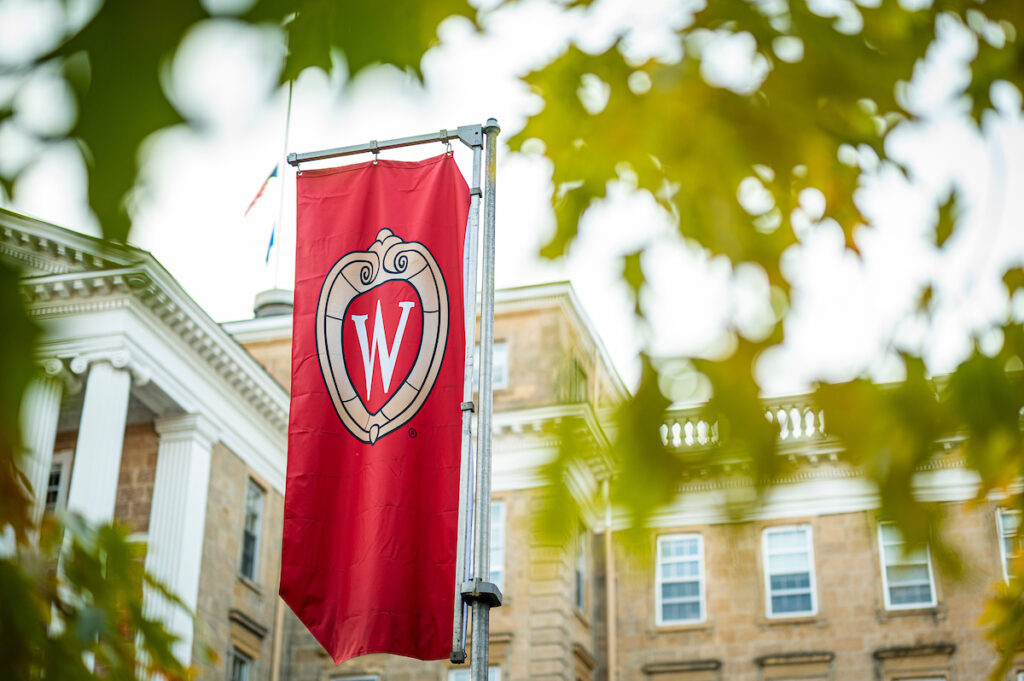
(80, 292)
(30, 241)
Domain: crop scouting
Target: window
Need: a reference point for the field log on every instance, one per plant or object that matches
(906, 577)
(239, 666)
(580, 572)
(251, 531)
(1009, 550)
(462, 673)
(57, 483)
(679, 581)
(789, 571)
(499, 366)
(497, 560)
(576, 389)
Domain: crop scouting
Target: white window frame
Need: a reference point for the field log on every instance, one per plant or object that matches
(462, 673)
(812, 576)
(580, 576)
(252, 484)
(659, 580)
(247, 661)
(885, 577)
(499, 366)
(63, 459)
(1004, 557)
(497, 555)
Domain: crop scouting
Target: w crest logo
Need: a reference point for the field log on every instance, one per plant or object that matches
(381, 329)
(379, 350)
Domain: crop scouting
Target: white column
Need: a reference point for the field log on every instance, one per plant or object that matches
(40, 411)
(177, 519)
(97, 462)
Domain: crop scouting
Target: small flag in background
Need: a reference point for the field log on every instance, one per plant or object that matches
(270, 246)
(263, 187)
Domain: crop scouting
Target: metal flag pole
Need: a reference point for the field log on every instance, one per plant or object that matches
(483, 593)
(280, 204)
(463, 554)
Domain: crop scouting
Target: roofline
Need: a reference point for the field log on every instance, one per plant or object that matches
(279, 326)
(121, 254)
(157, 288)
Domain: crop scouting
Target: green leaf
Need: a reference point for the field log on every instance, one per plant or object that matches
(1014, 279)
(366, 33)
(126, 44)
(949, 217)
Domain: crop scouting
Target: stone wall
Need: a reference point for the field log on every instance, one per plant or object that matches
(136, 476)
(276, 357)
(233, 610)
(852, 624)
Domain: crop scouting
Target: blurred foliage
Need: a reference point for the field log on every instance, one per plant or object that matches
(824, 93)
(822, 86)
(73, 608)
(71, 593)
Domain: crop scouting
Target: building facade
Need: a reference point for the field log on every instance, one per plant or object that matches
(150, 414)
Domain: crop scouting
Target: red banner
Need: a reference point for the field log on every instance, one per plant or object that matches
(378, 346)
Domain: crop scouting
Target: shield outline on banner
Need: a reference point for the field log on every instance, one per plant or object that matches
(389, 258)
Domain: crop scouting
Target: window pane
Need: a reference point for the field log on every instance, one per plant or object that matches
(493, 674)
(251, 531)
(792, 603)
(679, 548)
(789, 569)
(799, 580)
(783, 540)
(240, 666)
(499, 366)
(891, 535)
(497, 558)
(909, 595)
(678, 570)
(676, 612)
(680, 579)
(680, 590)
(902, 574)
(789, 562)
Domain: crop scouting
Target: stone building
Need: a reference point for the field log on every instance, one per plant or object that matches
(151, 414)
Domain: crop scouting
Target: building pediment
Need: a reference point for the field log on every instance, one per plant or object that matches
(39, 248)
(93, 300)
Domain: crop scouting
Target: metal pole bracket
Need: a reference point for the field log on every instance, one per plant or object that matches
(469, 406)
(471, 135)
(486, 593)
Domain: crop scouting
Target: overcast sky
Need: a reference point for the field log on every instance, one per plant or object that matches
(849, 313)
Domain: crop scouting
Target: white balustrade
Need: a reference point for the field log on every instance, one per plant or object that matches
(796, 421)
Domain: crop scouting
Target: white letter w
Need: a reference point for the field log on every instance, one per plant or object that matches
(380, 345)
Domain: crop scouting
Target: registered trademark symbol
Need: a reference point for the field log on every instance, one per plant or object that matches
(412, 432)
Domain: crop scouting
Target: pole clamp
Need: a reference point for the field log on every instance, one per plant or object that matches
(478, 591)
(475, 191)
(375, 148)
(469, 406)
